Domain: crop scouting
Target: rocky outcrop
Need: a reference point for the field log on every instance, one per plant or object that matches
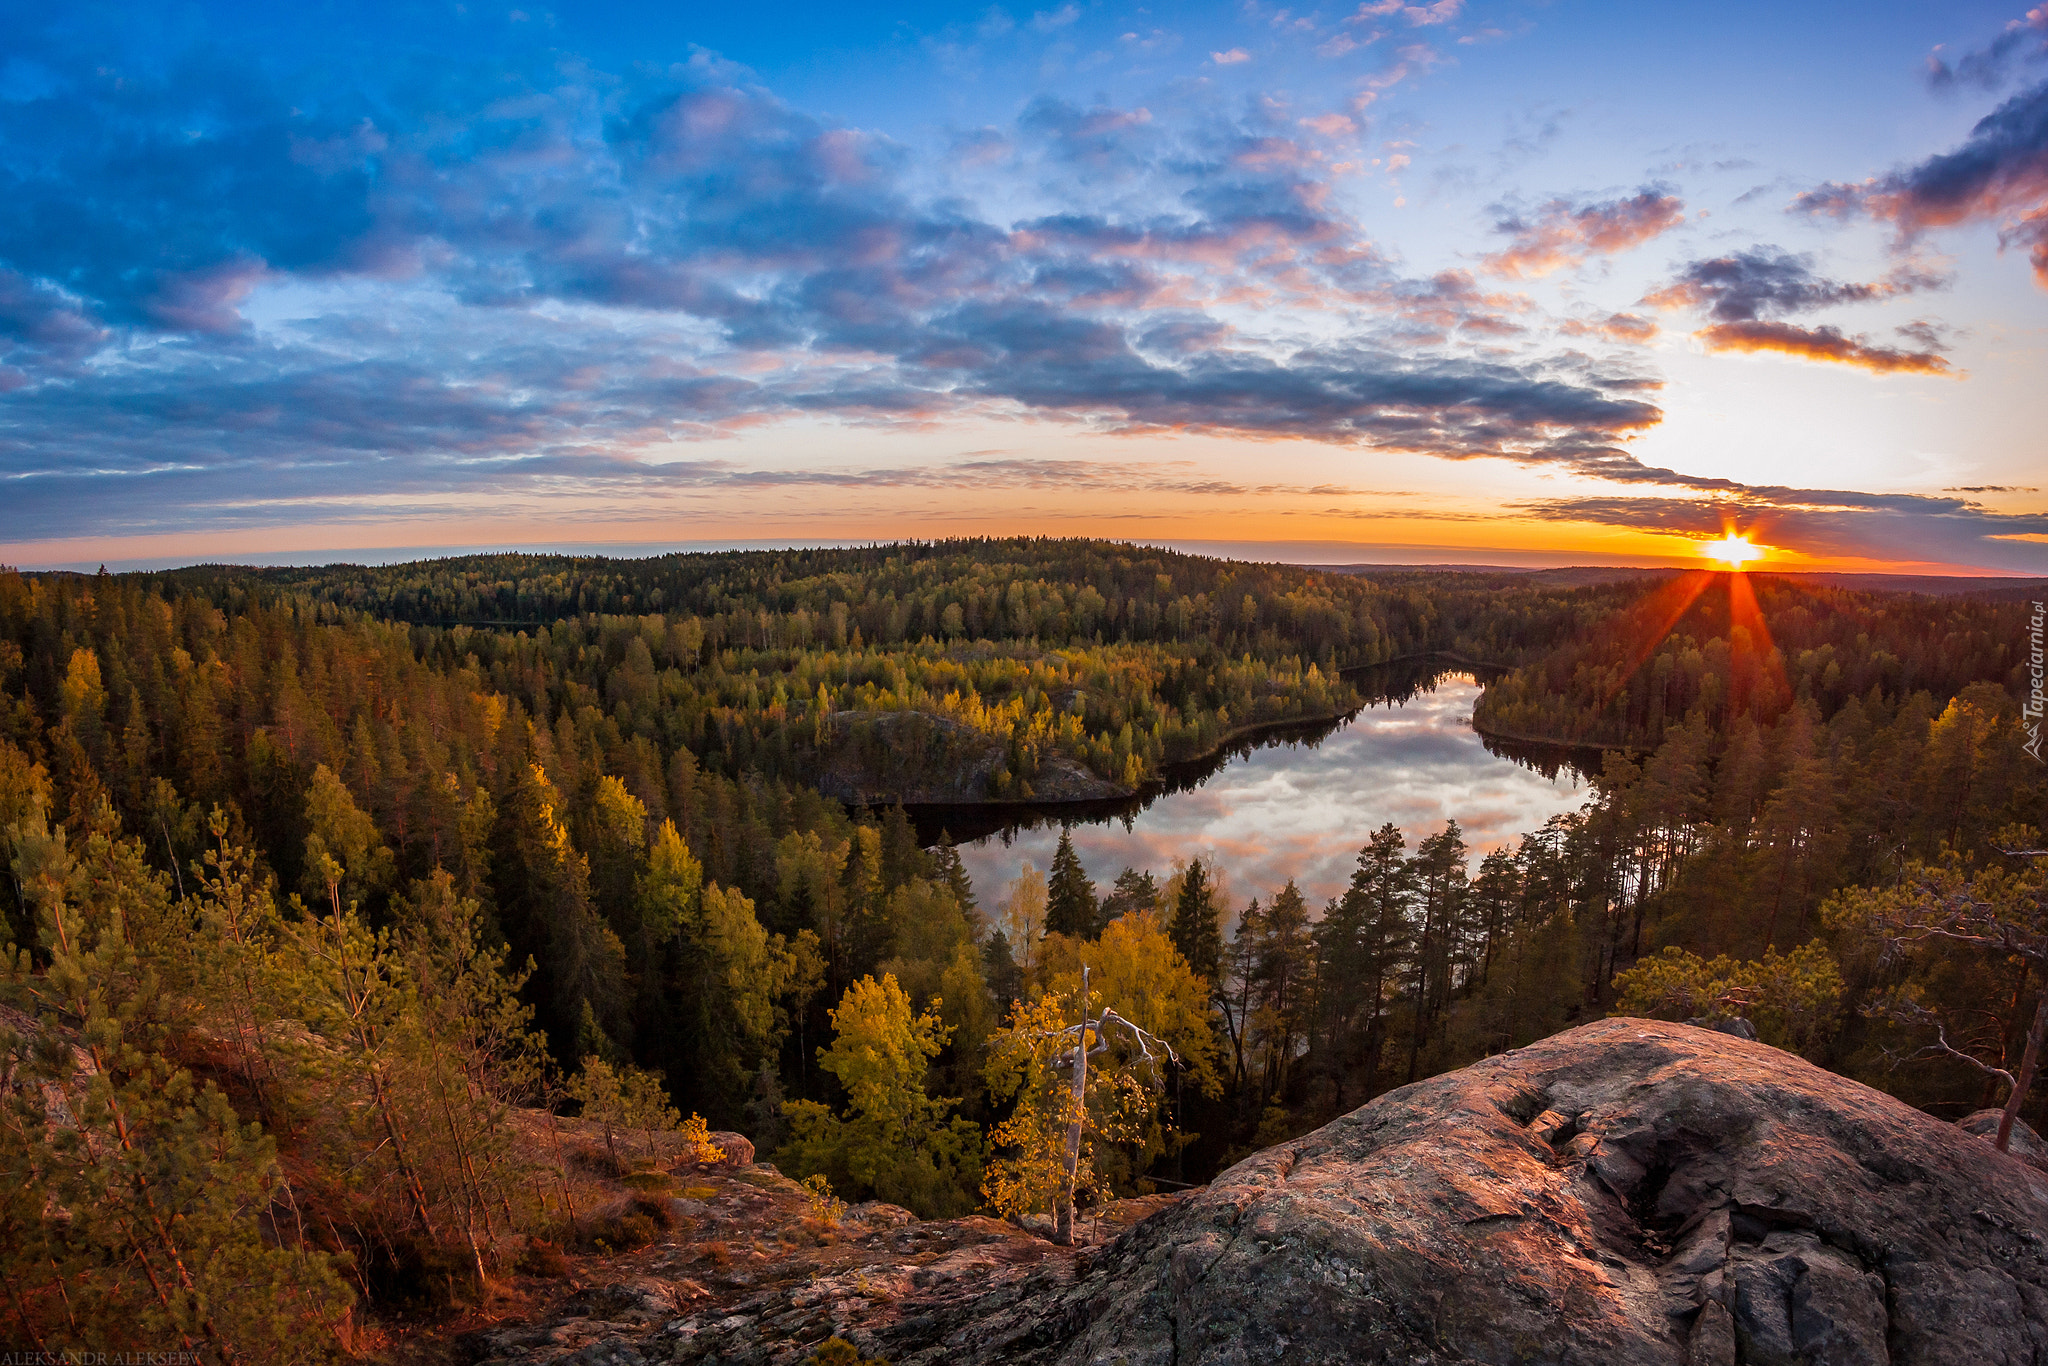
(1628, 1193)
(880, 758)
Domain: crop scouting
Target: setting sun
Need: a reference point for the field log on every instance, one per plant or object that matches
(1732, 551)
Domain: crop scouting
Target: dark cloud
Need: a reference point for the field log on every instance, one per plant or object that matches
(159, 196)
(1999, 174)
(41, 329)
(1826, 523)
(1767, 282)
(1564, 233)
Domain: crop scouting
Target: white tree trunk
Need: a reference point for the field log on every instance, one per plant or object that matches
(1063, 1211)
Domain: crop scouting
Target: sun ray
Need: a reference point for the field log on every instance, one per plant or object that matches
(1664, 608)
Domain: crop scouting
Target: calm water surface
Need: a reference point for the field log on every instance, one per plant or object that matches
(1297, 807)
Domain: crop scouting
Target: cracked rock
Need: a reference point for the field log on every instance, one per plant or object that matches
(1628, 1193)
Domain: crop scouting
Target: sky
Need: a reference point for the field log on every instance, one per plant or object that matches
(1461, 281)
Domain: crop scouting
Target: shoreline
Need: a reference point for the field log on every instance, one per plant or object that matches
(1549, 742)
(1181, 771)
(1156, 787)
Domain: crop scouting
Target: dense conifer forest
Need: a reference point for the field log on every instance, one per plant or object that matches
(330, 887)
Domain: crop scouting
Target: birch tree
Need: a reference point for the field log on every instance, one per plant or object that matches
(1063, 1102)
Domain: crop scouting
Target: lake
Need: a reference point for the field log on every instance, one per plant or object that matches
(1297, 804)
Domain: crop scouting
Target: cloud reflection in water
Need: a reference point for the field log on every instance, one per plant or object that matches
(1303, 809)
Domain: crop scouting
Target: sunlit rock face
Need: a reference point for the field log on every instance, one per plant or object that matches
(1627, 1192)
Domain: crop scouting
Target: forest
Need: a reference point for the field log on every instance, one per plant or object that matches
(328, 886)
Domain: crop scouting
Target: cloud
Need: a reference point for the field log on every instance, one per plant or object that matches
(1824, 523)
(1233, 57)
(41, 324)
(1746, 295)
(516, 286)
(1629, 328)
(1416, 59)
(1563, 233)
(510, 285)
(1050, 21)
(2023, 39)
(1999, 174)
(1820, 343)
(1099, 140)
(1766, 281)
(1417, 16)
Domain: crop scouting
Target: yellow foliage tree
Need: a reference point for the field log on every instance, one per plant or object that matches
(894, 1140)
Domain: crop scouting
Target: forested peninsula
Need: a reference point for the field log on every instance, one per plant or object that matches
(354, 910)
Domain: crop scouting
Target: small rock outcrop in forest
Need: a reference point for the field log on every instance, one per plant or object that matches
(1623, 1194)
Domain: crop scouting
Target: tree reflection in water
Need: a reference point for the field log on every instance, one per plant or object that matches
(1298, 803)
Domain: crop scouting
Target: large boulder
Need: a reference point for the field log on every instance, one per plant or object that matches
(1627, 1192)
(738, 1149)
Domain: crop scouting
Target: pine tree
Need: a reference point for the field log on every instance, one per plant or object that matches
(999, 967)
(132, 1194)
(1283, 976)
(949, 870)
(1132, 891)
(1439, 871)
(1362, 946)
(1070, 907)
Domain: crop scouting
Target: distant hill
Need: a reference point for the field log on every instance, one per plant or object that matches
(1575, 576)
(1987, 587)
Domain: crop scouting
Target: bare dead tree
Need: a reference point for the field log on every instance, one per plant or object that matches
(1946, 907)
(1091, 1038)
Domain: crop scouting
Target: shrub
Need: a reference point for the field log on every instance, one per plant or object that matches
(543, 1259)
(602, 1161)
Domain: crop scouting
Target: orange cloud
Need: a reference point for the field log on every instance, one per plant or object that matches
(1564, 235)
(1820, 343)
(1632, 328)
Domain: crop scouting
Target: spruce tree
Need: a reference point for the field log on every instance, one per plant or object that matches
(949, 870)
(1069, 896)
(999, 967)
(1284, 977)
(1195, 931)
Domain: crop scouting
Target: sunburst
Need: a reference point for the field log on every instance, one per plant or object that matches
(1732, 551)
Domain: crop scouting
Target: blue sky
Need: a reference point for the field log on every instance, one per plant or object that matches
(1495, 282)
